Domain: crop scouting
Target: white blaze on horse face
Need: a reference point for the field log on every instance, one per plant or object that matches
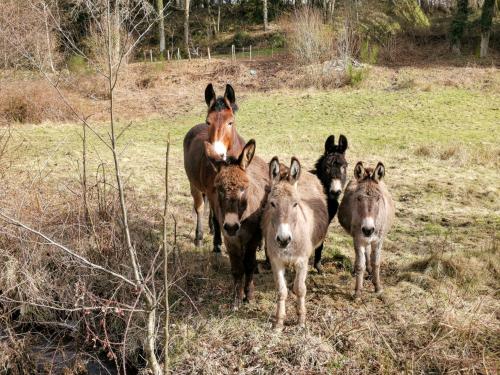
(220, 149)
(336, 185)
(284, 231)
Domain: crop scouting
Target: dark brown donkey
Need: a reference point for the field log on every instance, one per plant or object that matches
(241, 187)
(331, 169)
(220, 131)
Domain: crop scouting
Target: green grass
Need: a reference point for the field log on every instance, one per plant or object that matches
(441, 149)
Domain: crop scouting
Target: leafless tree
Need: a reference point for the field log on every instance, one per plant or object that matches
(117, 27)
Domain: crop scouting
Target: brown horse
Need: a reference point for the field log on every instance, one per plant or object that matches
(241, 187)
(366, 213)
(295, 222)
(220, 131)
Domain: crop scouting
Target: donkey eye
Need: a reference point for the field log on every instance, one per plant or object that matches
(295, 204)
(273, 204)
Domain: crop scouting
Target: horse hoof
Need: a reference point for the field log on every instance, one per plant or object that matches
(217, 249)
(357, 296)
(278, 327)
(198, 243)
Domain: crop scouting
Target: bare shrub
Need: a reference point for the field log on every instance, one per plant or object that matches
(309, 38)
(26, 35)
(33, 102)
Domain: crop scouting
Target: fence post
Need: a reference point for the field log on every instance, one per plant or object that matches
(178, 54)
(250, 53)
(233, 53)
(168, 54)
(151, 55)
(208, 52)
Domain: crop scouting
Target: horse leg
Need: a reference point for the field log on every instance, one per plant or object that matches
(198, 208)
(217, 233)
(211, 217)
(317, 258)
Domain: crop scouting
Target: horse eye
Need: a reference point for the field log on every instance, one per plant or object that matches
(295, 204)
(230, 124)
(273, 205)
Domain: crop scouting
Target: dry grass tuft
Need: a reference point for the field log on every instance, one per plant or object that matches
(32, 102)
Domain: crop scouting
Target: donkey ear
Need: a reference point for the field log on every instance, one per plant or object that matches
(294, 173)
(246, 155)
(210, 95)
(330, 144)
(342, 144)
(229, 95)
(274, 169)
(379, 172)
(359, 171)
(213, 157)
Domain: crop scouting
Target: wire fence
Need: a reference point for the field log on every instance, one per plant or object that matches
(234, 53)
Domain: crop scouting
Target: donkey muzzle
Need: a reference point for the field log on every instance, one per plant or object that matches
(231, 228)
(367, 231)
(283, 241)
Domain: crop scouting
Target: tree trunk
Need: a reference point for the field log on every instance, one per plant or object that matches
(218, 17)
(186, 27)
(458, 25)
(485, 40)
(486, 21)
(265, 15)
(47, 33)
(161, 26)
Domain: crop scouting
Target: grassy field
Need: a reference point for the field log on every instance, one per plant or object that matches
(440, 264)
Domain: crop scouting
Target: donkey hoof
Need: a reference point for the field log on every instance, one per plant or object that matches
(379, 290)
(278, 327)
(217, 249)
(357, 296)
(319, 268)
(198, 242)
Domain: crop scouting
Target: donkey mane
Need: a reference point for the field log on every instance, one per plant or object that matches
(220, 104)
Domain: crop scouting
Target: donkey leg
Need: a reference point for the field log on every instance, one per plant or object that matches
(300, 289)
(250, 263)
(368, 252)
(238, 271)
(217, 233)
(359, 268)
(375, 262)
(317, 258)
(198, 208)
(280, 281)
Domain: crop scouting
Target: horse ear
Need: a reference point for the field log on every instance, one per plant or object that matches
(213, 157)
(359, 171)
(230, 95)
(379, 172)
(274, 169)
(294, 173)
(210, 95)
(342, 144)
(330, 144)
(246, 155)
